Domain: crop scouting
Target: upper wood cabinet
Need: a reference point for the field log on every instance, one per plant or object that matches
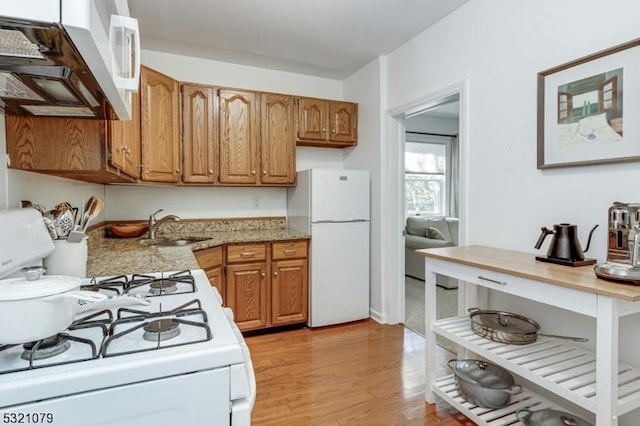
(185, 133)
(277, 141)
(160, 127)
(75, 148)
(327, 123)
(312, 119)
(239, 133)
(125, 141)
(256, 138)
(343, 122)
(199, 157)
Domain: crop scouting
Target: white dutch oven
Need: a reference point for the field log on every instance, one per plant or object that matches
(37, 309)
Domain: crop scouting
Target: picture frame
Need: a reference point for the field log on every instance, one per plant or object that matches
(581, 106)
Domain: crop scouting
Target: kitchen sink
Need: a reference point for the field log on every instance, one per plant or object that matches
(177, 242)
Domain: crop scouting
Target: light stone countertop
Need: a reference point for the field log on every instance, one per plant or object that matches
(118, 256)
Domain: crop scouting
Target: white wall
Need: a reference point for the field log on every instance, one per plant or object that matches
(137, 202)
(432, 124)
(500, 46)
(205, 71)
(501, 57)
(51, 190)
(364, 87)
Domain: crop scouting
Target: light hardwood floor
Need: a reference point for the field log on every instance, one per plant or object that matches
(362, 373)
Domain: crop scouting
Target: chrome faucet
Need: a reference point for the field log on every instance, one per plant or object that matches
(155, 223)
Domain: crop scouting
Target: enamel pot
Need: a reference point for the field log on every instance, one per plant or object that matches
(549, 417)
(31, 310)
(483, 383)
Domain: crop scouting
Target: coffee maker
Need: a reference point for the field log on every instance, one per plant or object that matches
(623, 259)
(624, 227)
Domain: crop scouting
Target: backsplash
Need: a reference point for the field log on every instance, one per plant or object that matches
(200, 226)
(222, 225)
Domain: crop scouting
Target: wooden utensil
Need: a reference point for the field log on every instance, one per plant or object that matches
(93, 211)
(85, 217)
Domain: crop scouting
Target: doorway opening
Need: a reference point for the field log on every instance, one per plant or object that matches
(398, 212)
(431, 160)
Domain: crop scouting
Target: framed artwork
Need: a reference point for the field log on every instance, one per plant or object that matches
(581, 109)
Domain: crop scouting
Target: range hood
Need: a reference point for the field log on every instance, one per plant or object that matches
(79, 59)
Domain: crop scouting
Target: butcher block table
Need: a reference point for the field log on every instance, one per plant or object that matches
(597, 383)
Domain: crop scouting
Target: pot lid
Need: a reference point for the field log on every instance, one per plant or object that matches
(47, 285)
(482, 373)
(550, 417)
(505, 321)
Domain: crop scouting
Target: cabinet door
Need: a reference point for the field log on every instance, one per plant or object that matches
(198, 134)
(125, 141)
(55, 143)
(210, 260)
(216, 280)
(239, 135)
(246, 294)
(312, 119)
(278, 140)
(160, 127)
(74, 148)
(289, 292)
(343, 118)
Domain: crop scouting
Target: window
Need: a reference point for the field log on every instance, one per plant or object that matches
(426, 167)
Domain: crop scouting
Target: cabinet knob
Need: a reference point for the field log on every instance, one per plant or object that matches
(177, 170)
(324, 130)
(210, 171)
(263, 274)
(275, 273)
(264, 172)
(253, 172)
(333, 130)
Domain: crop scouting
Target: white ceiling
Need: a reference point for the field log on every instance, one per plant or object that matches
(326, 38)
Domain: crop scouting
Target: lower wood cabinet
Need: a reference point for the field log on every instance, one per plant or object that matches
(210, 260)
(265, 284)
(247, 294)
(289, 291)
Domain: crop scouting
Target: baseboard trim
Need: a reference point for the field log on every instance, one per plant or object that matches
(377, 316)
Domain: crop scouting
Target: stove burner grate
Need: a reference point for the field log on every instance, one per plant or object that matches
(161, 286)
(161, 329)
(116, 284)
(42, 353)
(154, 325)
(45, 348)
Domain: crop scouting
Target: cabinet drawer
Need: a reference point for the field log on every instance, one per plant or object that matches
(246, 252)
(209, 258)
(289, 250)
(563, 297)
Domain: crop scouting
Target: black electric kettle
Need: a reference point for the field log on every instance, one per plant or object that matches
(564, 244)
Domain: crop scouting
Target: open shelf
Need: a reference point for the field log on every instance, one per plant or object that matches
(556, 365)
(446, 388)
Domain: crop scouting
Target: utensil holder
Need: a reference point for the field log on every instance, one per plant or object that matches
(68, 259)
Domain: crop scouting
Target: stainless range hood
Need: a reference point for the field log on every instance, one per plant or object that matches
(75, 58)
(41, 73)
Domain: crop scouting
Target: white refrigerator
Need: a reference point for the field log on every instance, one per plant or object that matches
(333, 206)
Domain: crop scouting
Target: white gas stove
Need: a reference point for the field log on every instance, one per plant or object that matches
(179, 359)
